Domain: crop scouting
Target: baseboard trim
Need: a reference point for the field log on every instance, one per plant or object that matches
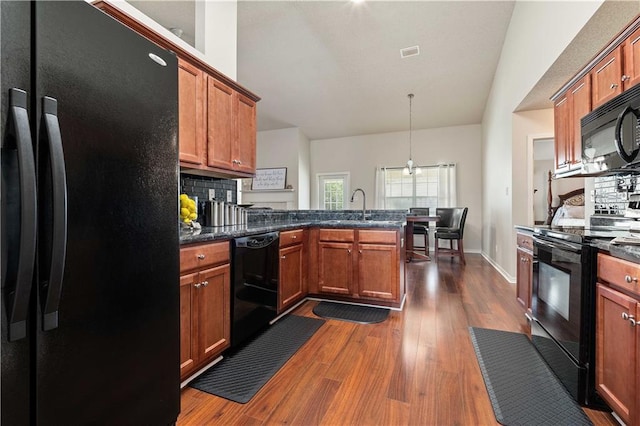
(509, 278)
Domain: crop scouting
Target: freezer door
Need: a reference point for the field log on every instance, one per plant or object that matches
(15, 61)
(108, 337)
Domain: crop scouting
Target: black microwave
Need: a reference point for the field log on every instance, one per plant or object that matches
(611, 136)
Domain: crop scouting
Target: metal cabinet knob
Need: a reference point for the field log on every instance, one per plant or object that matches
(197, 285)
(201, 256)
(294, 237)
(283, 257)
(205, 283)
(349, 251)
(625, 77)
(614, 85)
(360, 251)
(629, 279)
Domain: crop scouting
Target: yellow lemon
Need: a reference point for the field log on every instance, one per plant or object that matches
(184, 212)
(193, 216)
(184, 197)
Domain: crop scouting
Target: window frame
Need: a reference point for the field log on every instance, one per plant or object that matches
(322, 177)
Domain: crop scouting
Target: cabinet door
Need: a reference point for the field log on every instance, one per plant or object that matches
(580, 102)
(187, 345)
(378, 271)
(221, 123)
(616, 345)
(245, 148)
(524, 276)
(290, 289)
(632, 60)
(335, 268)
(213, 328)
(191, 106)
(562, 127)
(606, 78)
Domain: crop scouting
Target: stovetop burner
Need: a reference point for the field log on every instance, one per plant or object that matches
(579, 234)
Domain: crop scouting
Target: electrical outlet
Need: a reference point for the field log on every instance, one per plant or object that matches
(212, 194)
(229, 197)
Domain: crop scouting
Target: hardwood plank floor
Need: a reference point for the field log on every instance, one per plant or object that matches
(416, 368)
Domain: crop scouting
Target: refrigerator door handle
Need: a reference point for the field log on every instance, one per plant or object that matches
(51, 287)
(19, 272)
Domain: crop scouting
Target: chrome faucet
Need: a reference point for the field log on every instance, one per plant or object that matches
(364, 201)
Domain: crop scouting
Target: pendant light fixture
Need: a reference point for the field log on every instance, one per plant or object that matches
(409, 169)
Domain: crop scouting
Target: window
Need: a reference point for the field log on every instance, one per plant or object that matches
(433, 187)
(332, 191)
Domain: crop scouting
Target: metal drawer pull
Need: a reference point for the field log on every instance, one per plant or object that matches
(630, 279)
(625, 316)
(201, 256)
(614, 85)
(625, 77)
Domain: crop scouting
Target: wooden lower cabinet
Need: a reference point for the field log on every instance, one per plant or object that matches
(360, 265)
(335, 262)
(617, 342)
(205, 312)
(524, 269)
(292, 277)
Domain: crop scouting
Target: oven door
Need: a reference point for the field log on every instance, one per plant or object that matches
(559, 330)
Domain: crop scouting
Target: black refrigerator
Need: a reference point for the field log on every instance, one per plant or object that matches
(89, 220)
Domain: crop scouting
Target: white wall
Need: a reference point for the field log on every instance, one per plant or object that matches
(216, 24)
(283, 148)
(360, 155)
(537, 35)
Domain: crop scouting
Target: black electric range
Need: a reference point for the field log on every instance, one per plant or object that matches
(580, 234)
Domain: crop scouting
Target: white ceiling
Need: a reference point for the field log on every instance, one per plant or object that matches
(333, 68)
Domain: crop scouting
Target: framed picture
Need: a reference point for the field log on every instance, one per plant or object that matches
(275, 178)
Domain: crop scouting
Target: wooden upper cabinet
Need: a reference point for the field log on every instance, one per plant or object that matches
(606, 78)
(220, 124)
(631, 75)
(562, 127)
(245, 146)
(191, 105)
(580, 103)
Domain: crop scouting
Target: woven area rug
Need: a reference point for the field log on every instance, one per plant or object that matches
(522, 388)
(353, 313)
(241, 374)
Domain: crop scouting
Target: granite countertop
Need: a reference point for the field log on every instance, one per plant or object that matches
(190, 235)
(626, 252)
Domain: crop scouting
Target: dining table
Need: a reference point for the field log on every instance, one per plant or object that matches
(411, 219)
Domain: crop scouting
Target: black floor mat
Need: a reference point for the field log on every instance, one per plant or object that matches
(353, 313)
(240, 375)
(522, 388)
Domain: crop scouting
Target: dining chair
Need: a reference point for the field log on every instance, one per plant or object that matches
(421, 228)
(450, 227)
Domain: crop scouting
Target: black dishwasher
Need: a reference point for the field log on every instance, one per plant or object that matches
(254, 298)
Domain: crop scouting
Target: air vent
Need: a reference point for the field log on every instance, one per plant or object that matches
(410, 51)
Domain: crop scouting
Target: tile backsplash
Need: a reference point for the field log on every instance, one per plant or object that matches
(198, 186)
(612, 193)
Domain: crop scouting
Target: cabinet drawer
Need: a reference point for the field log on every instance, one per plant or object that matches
(288, 238)
(346, 235)
(203, 255)
(525, 241)
(377, 237)
(620, 273)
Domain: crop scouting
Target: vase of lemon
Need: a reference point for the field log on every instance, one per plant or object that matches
(188, 209)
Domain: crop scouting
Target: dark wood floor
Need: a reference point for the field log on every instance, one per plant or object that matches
(416, 368)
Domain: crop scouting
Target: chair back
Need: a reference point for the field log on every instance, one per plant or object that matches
(452, 218)
(419, 227)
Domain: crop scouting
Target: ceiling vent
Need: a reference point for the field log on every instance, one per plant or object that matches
(410, 51)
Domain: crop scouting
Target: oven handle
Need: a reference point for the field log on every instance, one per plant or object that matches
(556, 245)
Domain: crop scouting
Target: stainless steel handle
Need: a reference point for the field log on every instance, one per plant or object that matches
(625, 77)
(283, 257)
(625, 316)
(633, 321)
(613, 85)
(201, 256)
(197, 285)
(629, 279)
